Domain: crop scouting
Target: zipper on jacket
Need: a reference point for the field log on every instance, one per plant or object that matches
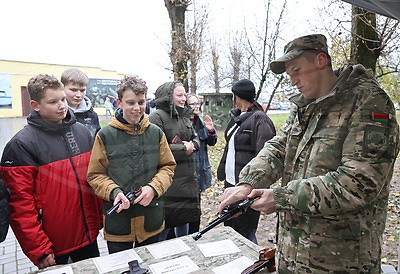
(81, 200)
(40, 215)
(79, 188)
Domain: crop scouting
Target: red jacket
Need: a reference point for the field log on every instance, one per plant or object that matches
(53, 209)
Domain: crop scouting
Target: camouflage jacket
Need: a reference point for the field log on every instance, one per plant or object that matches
(335, 156)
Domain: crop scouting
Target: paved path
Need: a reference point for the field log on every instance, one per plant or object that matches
(8, 127)
(12, 259)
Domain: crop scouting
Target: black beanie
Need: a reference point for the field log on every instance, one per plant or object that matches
(244, 89)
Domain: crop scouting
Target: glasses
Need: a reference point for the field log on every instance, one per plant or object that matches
(194, 104)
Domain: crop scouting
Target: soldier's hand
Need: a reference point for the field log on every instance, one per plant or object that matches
(234, 194)
(145, 197)
(125, 202)
(265, 202)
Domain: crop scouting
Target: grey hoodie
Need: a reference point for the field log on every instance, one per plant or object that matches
(85, 115)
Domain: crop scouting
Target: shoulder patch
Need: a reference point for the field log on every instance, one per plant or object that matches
(375, 141)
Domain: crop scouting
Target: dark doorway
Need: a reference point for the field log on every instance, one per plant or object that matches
(26, 106)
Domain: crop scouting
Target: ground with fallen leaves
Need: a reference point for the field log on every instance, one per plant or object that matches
(266, 231)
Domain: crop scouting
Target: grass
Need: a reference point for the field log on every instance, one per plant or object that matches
(278, 119)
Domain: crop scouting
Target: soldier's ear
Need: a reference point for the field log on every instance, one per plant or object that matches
(322, 60)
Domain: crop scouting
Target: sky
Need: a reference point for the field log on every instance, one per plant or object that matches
(128, 36)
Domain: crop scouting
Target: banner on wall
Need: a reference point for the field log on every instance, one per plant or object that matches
(5, 91)
(99, 89)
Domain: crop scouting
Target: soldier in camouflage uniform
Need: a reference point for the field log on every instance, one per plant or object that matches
(335, 156)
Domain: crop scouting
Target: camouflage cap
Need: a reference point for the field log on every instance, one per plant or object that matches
(296, 47)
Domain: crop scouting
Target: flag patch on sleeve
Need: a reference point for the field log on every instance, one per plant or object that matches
(380, 117)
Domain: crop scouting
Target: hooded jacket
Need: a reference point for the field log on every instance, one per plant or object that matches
(125, 157)
(85, 115)
(181, 199)
(335, 155)
(53, 209)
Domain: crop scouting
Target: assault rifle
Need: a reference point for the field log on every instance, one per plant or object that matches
(131, 196)
(228, 212)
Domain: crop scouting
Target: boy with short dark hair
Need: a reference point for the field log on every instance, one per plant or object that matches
(55, 214)
(129, 154)
(75, 82)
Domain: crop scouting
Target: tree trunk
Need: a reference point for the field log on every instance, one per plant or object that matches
(179, 54)
(215, 64)
(193, 76)
(195, 39)
(236, 55)
(273, 93)
(365, 44)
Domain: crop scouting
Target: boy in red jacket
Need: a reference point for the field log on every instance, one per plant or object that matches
(55, 214)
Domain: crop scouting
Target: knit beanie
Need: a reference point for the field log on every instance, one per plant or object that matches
(244, 89)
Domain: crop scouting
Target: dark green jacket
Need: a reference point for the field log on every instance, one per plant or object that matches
(181, 199)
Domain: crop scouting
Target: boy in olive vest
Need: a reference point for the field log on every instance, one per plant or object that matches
(131, 154)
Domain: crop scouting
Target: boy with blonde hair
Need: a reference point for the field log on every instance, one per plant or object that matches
(75, 82)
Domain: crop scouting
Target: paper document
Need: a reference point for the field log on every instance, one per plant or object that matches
(116, 261)
(62, 270)
(234, 267)
(167, 248)
(218, 248)
(181, 265)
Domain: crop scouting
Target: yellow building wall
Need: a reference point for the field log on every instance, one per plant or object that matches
(21, 72)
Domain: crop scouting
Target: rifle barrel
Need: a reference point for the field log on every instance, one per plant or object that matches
(114, 208)
(130, 196)
(229, 212)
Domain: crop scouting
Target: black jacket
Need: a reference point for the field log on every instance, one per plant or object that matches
(255, 128)
(4, 210)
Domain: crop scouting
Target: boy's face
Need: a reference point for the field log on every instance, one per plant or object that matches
(75, 94)
(53, 106)
(133, 106)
